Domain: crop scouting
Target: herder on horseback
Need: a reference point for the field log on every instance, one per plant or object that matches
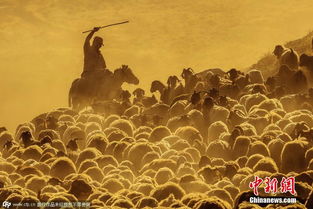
(93, 59)
(97, 82)
(94, 63)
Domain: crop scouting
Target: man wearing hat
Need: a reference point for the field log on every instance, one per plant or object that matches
(93, 59)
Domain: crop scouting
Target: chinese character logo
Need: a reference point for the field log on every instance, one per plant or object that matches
(255, 185)
(286, 185)
(271, 185)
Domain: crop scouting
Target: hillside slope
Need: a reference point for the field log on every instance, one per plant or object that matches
(267, 62)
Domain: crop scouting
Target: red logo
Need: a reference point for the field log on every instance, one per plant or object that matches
(286, 185)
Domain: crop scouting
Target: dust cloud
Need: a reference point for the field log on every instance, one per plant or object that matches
(41, 42)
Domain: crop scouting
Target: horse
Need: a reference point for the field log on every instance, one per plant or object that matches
(103, 85)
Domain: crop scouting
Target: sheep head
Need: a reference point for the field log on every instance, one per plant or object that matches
(278, 51)
(187, 72)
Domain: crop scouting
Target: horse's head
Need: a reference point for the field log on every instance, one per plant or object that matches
(125, 74)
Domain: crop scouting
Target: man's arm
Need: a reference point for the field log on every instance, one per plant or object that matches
(87, 40)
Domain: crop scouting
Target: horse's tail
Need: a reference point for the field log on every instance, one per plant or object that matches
(70, 98)
(70, 93)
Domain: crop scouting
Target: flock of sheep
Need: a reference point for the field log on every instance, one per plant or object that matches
(197, 144)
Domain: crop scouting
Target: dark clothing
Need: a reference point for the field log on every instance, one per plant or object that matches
(93, 59)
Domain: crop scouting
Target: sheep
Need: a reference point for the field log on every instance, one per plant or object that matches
(159, 109)
(123, 204)
(35, 183)
(216, 129)
(27, 170)
(204, 161)
(286, 56)
(20, 129)
(293, 162)
(160, 163)
(88, 153)
(177, 109)
(194, 153)
(163, 191)
(147, 202)
(95, 173)
(90, 127)
(131, 111)
(13, 197)
(302, 117)
(62, 167)
(32, 152)
(240, 146)
(217, 149)
(304, 177)
(137, 151)
(231, 168)
(98, 141)
(212, 202)
(148, 157)
(222, 194)
(232, 190)
(192, 198)
(197, 120)
(158, 133)
(163, 175)
(7, 167)
(43, 167)
(127, 174)
(258, 147)
(123, 125)
(306, 61)
(298, 82)
(194, 186)
(266, 164)
(119, 149)
(185, 169)
(219, 113)
(180, 145)
(189, 133)
(116, 135)
(80, 189)
(145, 188)
(171, 202)
(73, 132)
(142, 129)
(105, 160)
(210, 174)
(256, 76)
(2, 129)
(175, 123)
(251, 100)
(303, 190)
(103, 197)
